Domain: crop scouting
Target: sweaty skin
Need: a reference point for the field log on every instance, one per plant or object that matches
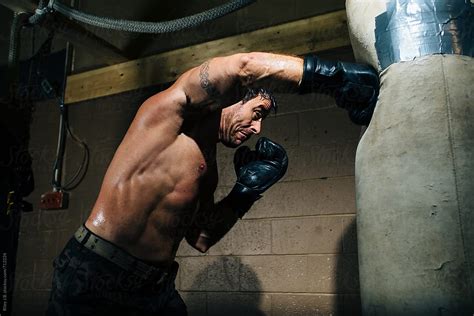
(160, 183)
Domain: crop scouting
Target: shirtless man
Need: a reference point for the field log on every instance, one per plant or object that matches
(159, 186)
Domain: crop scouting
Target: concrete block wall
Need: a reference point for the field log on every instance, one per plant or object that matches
(295, 252)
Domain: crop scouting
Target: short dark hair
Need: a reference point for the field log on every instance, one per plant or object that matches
(264, 95)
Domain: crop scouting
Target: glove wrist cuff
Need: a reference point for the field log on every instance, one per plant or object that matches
(318, 75)
(309, 65)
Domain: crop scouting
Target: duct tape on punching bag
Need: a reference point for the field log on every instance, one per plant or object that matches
(415, 28)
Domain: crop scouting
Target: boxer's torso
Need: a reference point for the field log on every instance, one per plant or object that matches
(153, 185)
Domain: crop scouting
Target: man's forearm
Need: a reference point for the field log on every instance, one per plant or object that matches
(212, 226)
(279, 73)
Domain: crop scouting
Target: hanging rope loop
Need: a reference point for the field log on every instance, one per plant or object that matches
(138, 26)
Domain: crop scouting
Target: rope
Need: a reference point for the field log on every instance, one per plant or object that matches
(40, 13)
(140, 26)
(14, 44)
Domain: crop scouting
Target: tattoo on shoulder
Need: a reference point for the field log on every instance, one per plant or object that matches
(206, 84)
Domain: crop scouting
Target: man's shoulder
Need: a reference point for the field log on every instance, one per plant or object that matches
(162, 108)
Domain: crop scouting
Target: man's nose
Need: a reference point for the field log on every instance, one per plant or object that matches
(256, 127)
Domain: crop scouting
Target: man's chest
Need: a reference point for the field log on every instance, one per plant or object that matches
(194, 164)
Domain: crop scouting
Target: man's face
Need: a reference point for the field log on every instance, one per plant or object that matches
(240, 121)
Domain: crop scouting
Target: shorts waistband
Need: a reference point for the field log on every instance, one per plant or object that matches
(120, 257)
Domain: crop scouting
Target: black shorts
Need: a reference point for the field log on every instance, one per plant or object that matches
(85, 283)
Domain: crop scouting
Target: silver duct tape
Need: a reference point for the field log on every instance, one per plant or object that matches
(414, 28)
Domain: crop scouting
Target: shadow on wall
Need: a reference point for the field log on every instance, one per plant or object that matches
(347, 274)
(313, 285)
(224, 287)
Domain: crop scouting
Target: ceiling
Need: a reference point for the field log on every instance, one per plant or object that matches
(259, 15)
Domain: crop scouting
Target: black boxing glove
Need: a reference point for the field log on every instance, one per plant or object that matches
(256, 171)
(354, 86)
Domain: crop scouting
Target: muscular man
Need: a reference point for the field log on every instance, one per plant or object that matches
(159, 186)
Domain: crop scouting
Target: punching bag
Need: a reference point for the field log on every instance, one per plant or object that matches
(415, 162)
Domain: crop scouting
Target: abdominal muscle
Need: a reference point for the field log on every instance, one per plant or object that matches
(146, 203)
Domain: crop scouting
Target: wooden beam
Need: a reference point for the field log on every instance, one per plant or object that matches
(313, 34)
(73, 32)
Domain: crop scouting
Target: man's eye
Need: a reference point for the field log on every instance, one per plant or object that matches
(257, 115)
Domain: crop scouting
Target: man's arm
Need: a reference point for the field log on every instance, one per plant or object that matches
(212, 222)
(256, 171)
(217, 81)
(218, 78)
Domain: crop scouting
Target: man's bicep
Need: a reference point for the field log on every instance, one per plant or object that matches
(211, 81)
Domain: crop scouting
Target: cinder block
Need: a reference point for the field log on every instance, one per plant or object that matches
(37, 245)
(91, 183)
(315, 273)
(238, 304)
(308, 197)
(307, 235)
(252, 237)
(24, 275)
(306, 304)
(30, 221)
(196, 303)
(43, 153)
(282, 129)
(209, 273)
(293, 103)
(225, 246)
(114, 114)
(43, 140)
(325, 161)
(327, 126)
(42, 149)
(346, 159)
(82, 202)
(43, 274)
(46, 111)
(350, 235)
(70, 218)
(312, 162)
(102, 150)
